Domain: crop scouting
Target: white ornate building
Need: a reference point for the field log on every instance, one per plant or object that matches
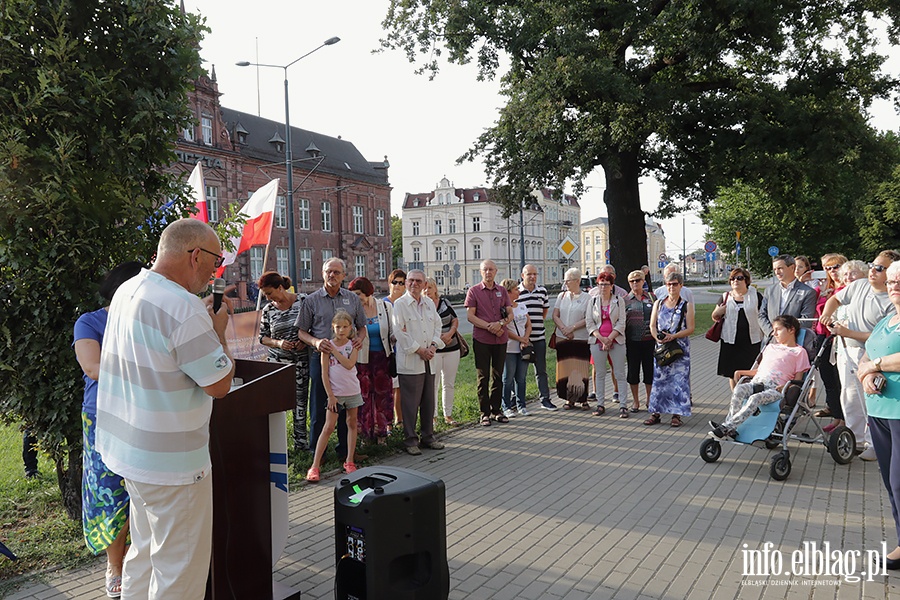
(449, 231)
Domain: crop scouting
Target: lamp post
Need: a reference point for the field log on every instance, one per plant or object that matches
(288, 156)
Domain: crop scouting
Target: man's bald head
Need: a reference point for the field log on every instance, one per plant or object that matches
(184, 235)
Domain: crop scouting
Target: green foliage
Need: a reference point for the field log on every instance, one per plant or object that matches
(91, 95)
(396, 241)
(881, 217)
(698, 93)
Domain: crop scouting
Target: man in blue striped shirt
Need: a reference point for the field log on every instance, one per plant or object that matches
(535, 298)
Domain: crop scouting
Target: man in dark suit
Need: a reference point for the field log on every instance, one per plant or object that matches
(789, 296)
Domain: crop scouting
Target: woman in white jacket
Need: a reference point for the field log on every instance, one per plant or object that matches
(605, 320)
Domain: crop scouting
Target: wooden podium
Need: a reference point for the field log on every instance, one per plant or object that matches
(241, 567)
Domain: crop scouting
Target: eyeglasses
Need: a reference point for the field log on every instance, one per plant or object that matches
(219, 258)
(635, 281)
(603, 284)
(737, 278)
(833, 268)
(672, 283)
(893, 283)
(398, 282)
(877, 268)
(408, 280)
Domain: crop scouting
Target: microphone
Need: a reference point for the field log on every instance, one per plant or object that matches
(218, 291)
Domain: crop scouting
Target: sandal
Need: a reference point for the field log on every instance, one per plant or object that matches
(502, 419)
(451, 422)
(635, 409)
(653, 420)
(113, 585)
(349, 467)
(676, 421)
(585, 406)
(568, 406)
(599, 412)
(485, 421)
(623, 413)
(312, 475)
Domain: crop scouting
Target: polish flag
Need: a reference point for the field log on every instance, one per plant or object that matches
(259, 212)
(198, 193)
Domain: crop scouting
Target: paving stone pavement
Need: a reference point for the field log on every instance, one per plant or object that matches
(568, 505)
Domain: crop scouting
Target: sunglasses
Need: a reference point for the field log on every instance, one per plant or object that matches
(635, 281)
(219, 258)
(737, 278)
(398, 282)
(833, 268)
(873, 266)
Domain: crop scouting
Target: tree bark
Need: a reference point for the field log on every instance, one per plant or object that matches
(68, 477)
(627, 230)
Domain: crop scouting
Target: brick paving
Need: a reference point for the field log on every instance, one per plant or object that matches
(568, 505)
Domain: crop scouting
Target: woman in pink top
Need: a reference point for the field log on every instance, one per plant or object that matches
(831, 263)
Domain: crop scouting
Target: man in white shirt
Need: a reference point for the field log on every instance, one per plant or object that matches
(417, 328)
(662, 292)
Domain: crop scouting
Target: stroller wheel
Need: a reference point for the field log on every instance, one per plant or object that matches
(841, 444)
(781, 467)
(710, 450)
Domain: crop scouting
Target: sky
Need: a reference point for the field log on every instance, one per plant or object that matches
(377, 102)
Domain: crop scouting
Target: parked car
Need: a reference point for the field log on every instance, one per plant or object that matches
(587, 282)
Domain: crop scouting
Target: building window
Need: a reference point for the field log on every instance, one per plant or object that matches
(326, 216)
(476, 251)
(598, 240)
(439, 277)
(417, 254)
(381, 265)
(476, 223)
(304, 213)
(360, 265)
(599, 255)
(451, 225)
(206, 129)
(282, 263)
(188, 133)
(280, 214)
(587, 256)
(212, 203)
(451, 250)
(305, 264)
(327, 255)
(437, 227)
(415, 228)
(587, 240)
(439, 253)
(358, 219)
(256, 261)
(379, 222)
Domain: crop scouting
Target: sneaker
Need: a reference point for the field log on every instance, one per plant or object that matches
(616, 397)
(722, 431)
(868, 454)
(433, 446)
(547, 405)
(413, 450)
(510, 413)
(592, 396)
(524, 412)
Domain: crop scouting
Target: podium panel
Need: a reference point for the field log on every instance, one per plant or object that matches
(242, 561)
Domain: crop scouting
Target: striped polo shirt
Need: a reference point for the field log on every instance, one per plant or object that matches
(158, 353)
(536, 301)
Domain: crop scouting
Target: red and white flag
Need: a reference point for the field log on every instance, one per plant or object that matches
(259, 212)
(198, 193)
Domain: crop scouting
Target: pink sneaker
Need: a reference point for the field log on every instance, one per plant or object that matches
(829, 428)
(312, 475)
(349, 467)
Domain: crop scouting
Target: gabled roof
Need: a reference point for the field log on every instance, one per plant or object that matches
(341, 157)
(567, 199)
(469, 195)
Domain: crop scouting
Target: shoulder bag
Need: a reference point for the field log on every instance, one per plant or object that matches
(666, 354)
(714, 333)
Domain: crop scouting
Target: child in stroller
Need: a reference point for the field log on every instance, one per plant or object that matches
(782, 361)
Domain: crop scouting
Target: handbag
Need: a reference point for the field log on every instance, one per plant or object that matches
(392, 365)
(463, 346)
(527, 353)
(551, 343)
(714, 333)
(669, 352)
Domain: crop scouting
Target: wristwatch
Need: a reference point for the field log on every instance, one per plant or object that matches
(877, 363)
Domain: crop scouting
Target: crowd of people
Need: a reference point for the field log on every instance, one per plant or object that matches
(367, 366)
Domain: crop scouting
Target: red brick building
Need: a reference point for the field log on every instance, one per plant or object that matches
(341, 200)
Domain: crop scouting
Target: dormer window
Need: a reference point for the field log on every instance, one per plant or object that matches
(313, 150)
(277, 141)
(475, 197)
(241, 134)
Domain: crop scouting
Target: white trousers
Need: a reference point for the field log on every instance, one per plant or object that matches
(616, 354)
(444, 365)
(853, 399)
(171, 541)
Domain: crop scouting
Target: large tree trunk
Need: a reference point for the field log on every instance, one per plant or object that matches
(627, 233)
(68, 477)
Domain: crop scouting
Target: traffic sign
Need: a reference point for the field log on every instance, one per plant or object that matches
(710, 246)
(773, 251)
(710, 257)
(446, 269)
(737, 248)
(661, 264)
(568, 247)
(663, 257)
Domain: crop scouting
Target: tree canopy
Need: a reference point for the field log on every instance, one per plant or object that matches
(92, 94)
(699, 94)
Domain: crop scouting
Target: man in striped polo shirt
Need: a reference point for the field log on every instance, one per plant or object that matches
(164, 359)
(534, 297)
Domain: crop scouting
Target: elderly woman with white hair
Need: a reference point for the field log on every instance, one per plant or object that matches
(573, 354)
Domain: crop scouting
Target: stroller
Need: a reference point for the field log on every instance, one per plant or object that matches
(774, 424)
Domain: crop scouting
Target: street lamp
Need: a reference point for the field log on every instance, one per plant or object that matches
(288, 155)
